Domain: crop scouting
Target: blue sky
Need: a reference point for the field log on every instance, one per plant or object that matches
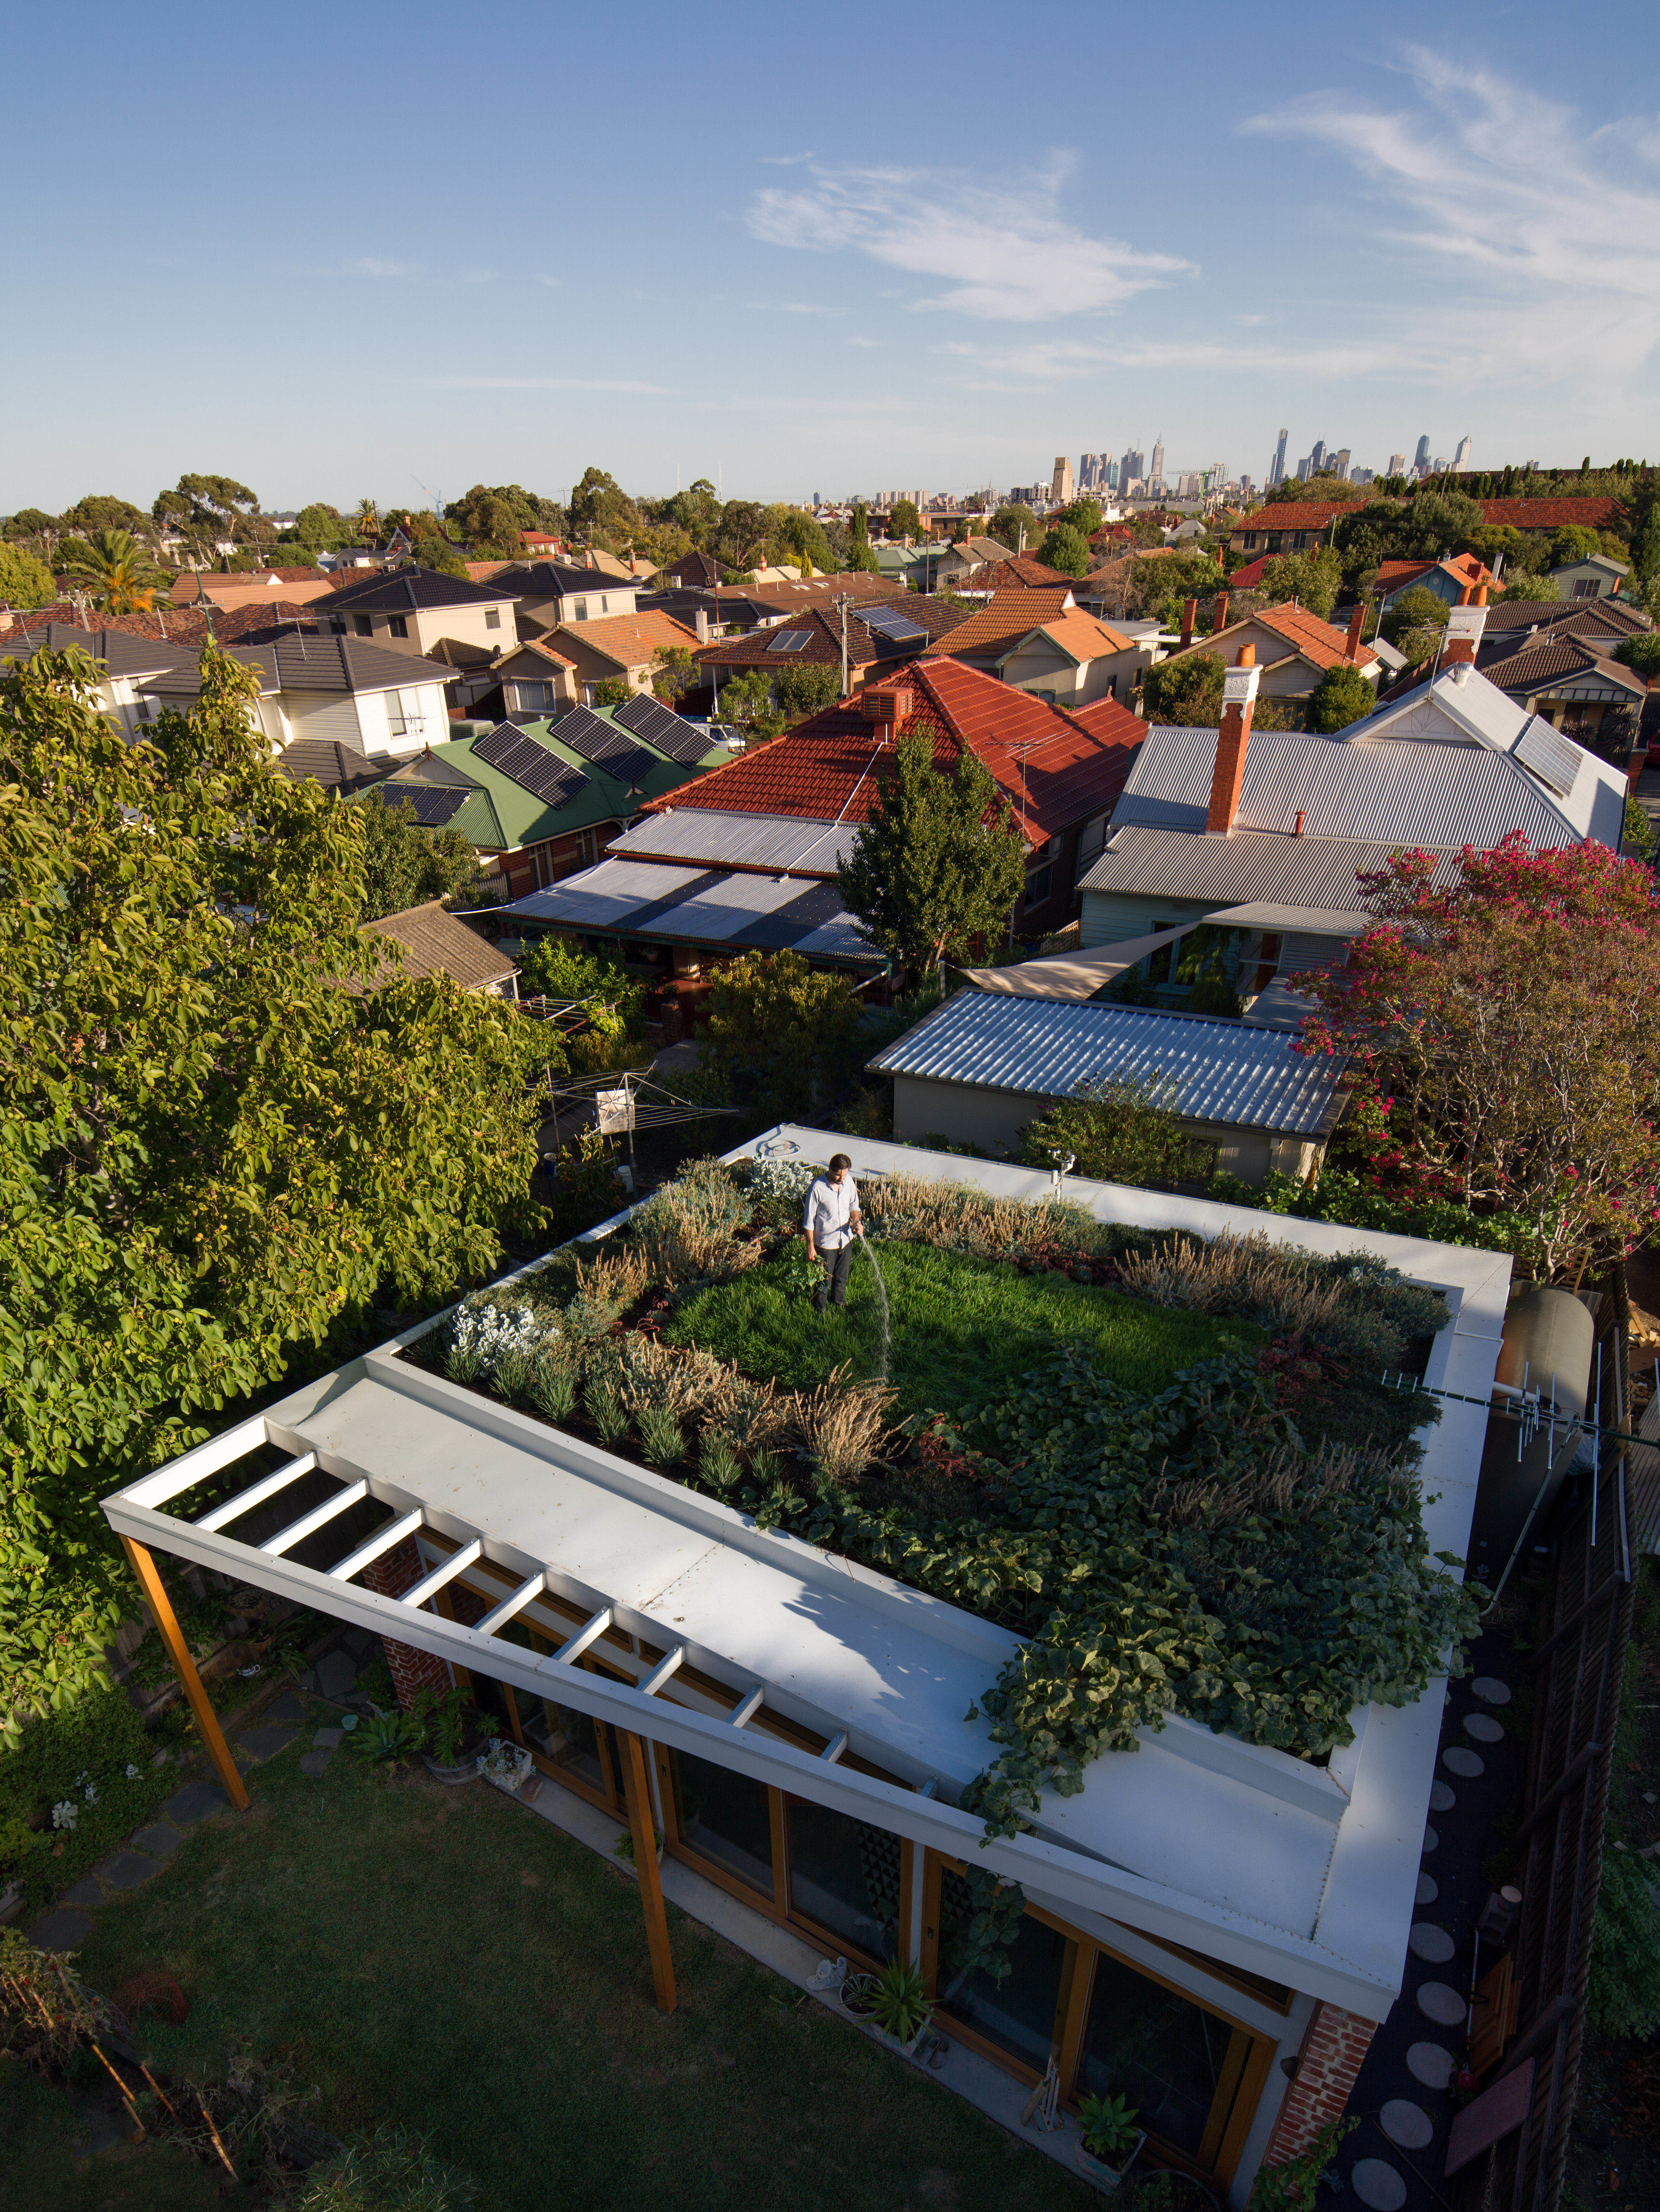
(334, 251)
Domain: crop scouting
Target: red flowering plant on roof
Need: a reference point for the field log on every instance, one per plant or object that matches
(1502, 1042)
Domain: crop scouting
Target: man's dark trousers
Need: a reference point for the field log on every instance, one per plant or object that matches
(836, 1266)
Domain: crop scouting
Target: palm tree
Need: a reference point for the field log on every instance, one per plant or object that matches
(117, 573)
(367, 520)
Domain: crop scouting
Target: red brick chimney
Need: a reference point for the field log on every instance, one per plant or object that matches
(1219, 619)
(1190, 615)
(1357, 623)
(1228, 777)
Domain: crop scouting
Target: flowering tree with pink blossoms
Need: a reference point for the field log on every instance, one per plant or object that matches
(1502, 1028)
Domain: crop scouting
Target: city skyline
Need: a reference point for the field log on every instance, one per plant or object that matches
(827, 306)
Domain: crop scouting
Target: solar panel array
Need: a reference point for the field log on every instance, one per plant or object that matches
(789, 640)
(602, 743)
(433, 806)
(663, 729)
(893, 623)
(1553, 758)
(530, 764)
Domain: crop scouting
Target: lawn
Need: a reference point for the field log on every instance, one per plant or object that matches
(962, 1330)
(444, 1958)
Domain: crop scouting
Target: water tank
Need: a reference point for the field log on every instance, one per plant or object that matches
(1549, 1338)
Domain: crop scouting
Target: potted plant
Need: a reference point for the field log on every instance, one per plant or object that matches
(506, 1765)
(893, 2002)
(1110, 2140)
(453, 1733)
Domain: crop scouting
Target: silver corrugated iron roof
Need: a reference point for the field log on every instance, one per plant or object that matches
(701, 906)
(1223, 1071)
(1251, 864)
(721, 839)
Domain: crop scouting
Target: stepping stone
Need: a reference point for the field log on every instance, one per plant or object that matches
(161, 1839)
(1428, 1889)
(66, 1930)
(325, 1740)
(1406, 2124)
(1431, 2064)
(266, 1742)
(195, 1801)
(287, 1707)
(1484, 1729)
(314, 1762)
(358, 1640)
(1442, 2004)
(86, 1892)
(1379, 2185)
(1457, 1760)
(336, 1671)
(1430, 1943)
(127, 1869)
(1442, 1798)
(1431, 1842)
(1490, 1690)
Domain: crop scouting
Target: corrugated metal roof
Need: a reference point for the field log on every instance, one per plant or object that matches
(1173, 864)
(1223, 1071)
(702, 906)
(739, 840)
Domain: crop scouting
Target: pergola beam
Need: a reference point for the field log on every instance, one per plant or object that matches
(457, 1562)
(258, 1492)
(319, 1517)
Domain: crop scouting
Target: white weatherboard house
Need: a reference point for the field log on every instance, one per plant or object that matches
(804, 1727)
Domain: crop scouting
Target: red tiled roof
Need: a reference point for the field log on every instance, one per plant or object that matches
(1294, 514)
(1322, 643)
(1054, 768)
(1006, 618)
(1548, 514)
(1249, 578)
(1018, 573)
(823, 647)
(629, 640)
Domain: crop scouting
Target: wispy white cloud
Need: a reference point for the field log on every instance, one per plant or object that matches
(1540, 235)
(370, 264)
(1003, 245)
(537, 384)
(784, 161)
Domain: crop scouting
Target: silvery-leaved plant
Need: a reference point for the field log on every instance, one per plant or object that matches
(483, 1333)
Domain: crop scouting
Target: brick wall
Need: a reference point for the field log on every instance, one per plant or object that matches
(411, 1671)
(1327, 2066)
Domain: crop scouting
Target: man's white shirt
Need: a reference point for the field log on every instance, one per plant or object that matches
(829, 1209)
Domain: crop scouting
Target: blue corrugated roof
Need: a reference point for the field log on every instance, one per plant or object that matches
(1223, 1071)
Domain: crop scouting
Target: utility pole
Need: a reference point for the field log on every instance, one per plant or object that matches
(842, 602)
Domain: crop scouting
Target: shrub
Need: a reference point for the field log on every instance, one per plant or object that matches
(83, 1776)
(553, 1389)
(497, 1329)
(1118, 1128)
(1624, 1960)
(685, 1233)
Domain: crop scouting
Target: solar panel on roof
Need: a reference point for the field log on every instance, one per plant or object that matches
(1553, 758)
(789, 640)
(892, 623)
(531, 764)
(659, 727)
(433, 808)
(599, 741)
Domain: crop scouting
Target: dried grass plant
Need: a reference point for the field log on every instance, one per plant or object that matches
(682, 1241)
(753, 1418)
(1291, 1482)
(844, 1425)
(1234, 1275)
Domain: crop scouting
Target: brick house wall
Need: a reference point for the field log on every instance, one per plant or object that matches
(1333, 2049)
(411, 1671)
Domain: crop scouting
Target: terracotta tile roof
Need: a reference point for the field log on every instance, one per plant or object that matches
(1548, 514)
(1545, 660)
(1019, 572)
(190, 583)
(1298, 515)
(1249, 578)
(1393, 574)
(188, 627)
(1322, 643)
(436, 944)
(1106, 719)
(1055, 769)
(821, 646)
(629, 640)
(1083, 637)
(1006, 617)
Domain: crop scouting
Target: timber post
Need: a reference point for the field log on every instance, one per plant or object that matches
(637, 1792)
(207, 1723)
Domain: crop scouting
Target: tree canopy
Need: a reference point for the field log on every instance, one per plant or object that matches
(1313, 580)
(905, 521)
(24, 581)
(1501, 1040)
(213, 1150)
(1015, 526)
(405, 865)
(938, 863)
(103, 511)
(1185, 690)
(1343, 695)
(746, 702)
(1065, 549)
(116, 572)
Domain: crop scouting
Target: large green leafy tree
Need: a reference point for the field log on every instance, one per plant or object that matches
(1066, 549)
(104, 511)
(938, 863)
(208, 511)
(1341, 697)
(780, 1033)
(24, 581)
(904, 520)
(1186, 690)
(213, 1150)
(403, 865)
(1311, 579)
(1015, 526)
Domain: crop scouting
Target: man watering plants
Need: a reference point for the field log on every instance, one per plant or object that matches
(832, 1221)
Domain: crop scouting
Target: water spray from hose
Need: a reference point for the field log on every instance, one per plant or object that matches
(882, 1302)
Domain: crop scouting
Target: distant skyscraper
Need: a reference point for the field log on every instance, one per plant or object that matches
(1277, 465)
(1397, 466)
(1131, 469)
(1337, 463)
(1158, 460)
(1460, 459)
(1316, 456)
(1304, 468)
(1060, 484)
(1422, 457)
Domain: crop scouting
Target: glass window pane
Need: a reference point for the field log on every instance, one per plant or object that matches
(1160, 2051)
(726, 1818)
(844, 1876)
(1018, 2013)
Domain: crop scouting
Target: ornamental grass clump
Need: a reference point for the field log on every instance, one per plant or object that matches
(688, 1232)
(843, 1426)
